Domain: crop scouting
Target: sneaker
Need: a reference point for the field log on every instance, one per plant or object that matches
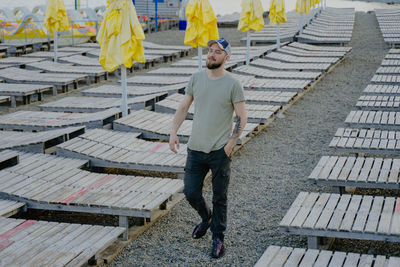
(200, 230)
(218, 249)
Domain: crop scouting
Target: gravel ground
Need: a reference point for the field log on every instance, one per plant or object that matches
(269, 172)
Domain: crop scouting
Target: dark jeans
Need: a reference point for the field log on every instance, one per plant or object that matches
(197, 166)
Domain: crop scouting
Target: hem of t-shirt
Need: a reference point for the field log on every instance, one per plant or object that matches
(205, 151)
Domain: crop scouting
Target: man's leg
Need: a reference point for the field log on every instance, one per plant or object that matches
(221, 168)
(195, 171)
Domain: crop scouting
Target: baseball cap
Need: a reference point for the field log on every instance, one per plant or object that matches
(222, 43)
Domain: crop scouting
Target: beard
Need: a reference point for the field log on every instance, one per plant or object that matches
(213, 66)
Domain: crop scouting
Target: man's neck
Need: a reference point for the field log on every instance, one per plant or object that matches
(216, 73)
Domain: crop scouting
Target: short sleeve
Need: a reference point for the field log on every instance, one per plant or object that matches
(237, 92)
(189, 87)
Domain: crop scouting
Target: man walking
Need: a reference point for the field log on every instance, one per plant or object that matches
(216, 94)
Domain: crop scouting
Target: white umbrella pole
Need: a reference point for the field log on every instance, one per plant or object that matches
(301, 23)
(248, 48)
(278, 38)
(200, 55)
(55, 46)
(124, 106)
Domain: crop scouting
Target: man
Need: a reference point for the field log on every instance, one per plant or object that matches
(216, 94)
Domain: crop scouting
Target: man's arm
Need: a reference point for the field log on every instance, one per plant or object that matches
(241, 120)
(179, 117)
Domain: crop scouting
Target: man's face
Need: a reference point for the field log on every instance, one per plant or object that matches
(215, 57)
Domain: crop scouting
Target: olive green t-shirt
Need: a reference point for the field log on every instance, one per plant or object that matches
(213, 110)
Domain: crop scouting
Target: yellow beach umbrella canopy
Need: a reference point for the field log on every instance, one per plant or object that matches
(120, 36)
(251, 17)
(201, 23)
(277, 12)
(303, 6)
(55, 18)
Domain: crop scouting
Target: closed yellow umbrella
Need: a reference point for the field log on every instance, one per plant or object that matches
(55, 20)
(251, 18)
(277, 15)
(120, 38)
(201, 25)
(303, 7)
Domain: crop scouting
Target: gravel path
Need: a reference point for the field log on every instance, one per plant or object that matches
(269, 172)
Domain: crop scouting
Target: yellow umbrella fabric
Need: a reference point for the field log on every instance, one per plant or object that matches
(201, 23)
(55, 18)
(120, 36)
(251, 17)
(277, 12)
(303, 6)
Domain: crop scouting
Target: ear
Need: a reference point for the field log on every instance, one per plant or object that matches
(227, 58)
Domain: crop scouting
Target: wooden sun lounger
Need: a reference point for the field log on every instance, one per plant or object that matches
(289, 85)
(95, 104)
(18, 61)
(64, 81)
(41, 142)
(156, 126)
(260, 72)
(278, 65)
(276, 256)
(75, 49)
(323, 33)
(182, 48)
(42, 121)
(300, 59)
(365, 172)
(390, 63)
(43, 183)
(382, 89)
(155, 80)
(305, 53)
(32, 243)
(8, 158)
(394, 55)
(343, 216)
(306, 38)
(255, 113)
(50, 54)
(366, 140)
(309, 47)
(8, 208)
(81, 61)
(388, 120)
(95, 73)
(378, 102)
(386, 79)
(133, 91)
(388, 70)
(394, 51)
(122, 150)
(24, 91)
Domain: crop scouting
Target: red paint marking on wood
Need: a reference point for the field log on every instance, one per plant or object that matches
(5, 243)
(51, 122)
(64, 116)
(398, 205)
(17, 229)
(157, 147)
(90, 187)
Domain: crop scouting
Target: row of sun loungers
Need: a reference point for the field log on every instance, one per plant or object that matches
(389, 23)
(331, 26)
(368, 147)
(288, 30)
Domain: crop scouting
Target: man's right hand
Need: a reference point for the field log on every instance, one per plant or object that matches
(173, 140)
